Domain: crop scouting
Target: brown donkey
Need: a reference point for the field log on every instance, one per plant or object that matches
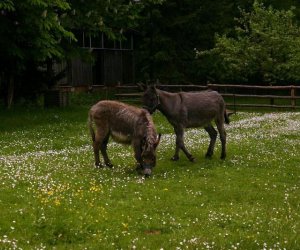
(126, 124)
(189, 110)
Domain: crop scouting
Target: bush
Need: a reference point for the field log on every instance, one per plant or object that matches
(265, 48)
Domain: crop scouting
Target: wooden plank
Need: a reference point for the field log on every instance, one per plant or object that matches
(171, 87)
(251, 86)
(261, 96)
(261, 105)
(129, 95)
(127, 87)
(293, 95)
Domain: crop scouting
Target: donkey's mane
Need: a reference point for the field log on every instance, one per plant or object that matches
(133, 115)
(128, 115)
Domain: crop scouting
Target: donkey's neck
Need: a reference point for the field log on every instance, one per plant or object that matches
(168, 102)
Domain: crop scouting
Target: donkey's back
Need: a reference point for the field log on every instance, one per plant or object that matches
(200, 108)
(204, 99)
(115, 111)
(116, 118)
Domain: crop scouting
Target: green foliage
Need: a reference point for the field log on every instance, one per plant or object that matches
(111, 17)
(170, 31)
(53, 197)
(35, 33)
(32, 30)
(7, 5)
(39, 29)
(265, 48)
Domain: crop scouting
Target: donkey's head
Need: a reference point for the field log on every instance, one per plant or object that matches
(150, 98)
(149, 155)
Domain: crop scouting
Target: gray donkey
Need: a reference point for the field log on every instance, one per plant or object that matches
(125, 124)
(189, 110)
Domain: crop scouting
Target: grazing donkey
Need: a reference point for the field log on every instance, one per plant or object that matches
(125, 124)
(189, 110)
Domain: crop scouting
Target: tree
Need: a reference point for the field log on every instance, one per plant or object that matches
(171, 30)
(34, 33)
(31, 32)
(265, 48)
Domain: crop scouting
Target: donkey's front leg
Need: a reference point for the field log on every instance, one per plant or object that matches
(137, 154)
(179, 131)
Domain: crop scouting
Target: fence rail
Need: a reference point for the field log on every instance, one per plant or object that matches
(235, 95)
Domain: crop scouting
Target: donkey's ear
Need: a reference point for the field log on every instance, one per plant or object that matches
(154, 84)
(153, 87)
(158, 140)
(142, 86)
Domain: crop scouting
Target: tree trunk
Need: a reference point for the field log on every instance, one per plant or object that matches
(10, 91)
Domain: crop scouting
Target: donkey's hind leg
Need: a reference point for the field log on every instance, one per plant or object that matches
(96, 148)
(100, 142)
(213, 136)
(103, 149)
(222, 132)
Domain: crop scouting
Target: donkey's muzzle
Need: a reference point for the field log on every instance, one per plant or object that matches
(147, 169)
(147, 172)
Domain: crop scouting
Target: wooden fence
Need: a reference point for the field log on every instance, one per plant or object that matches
(238, 94)
(235, 95)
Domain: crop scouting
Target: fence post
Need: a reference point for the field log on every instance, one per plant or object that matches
(234, 103)
(209, 86)
(293, 100)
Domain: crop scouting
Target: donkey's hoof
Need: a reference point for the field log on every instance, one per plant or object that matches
(108, 164)
(208, 156)
(192, 158)
(223, 157)
(99, 165)
(175, 158)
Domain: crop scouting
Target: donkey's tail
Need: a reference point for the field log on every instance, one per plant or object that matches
(226, 116)
(90, 124)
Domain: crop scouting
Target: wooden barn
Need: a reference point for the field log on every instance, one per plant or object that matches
(112, 64)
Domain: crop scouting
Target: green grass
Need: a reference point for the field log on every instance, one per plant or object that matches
(51, 197)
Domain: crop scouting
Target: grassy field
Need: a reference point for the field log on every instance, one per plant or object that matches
(51, 197)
